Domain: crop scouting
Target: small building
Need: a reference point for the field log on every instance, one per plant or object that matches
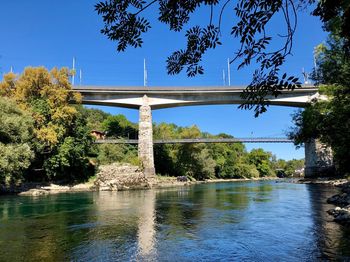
(299, 172)
(98, 134)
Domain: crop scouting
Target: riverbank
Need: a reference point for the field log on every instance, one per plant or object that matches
(39, 189)
(341, 212)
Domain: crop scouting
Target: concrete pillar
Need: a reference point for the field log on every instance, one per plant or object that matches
(145, 146)
(318, 159)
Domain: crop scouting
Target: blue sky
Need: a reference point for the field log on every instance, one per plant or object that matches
(50, 33)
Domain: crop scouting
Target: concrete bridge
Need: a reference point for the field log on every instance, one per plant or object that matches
(146, 99)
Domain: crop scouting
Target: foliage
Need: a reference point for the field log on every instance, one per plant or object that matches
(61, 138)
(335, 14)
(94, 117)
(124, 23)
(203, 161)
(262, 161)
(243, 170)
(329, 120)
(69, 160)
(194, 160)
(119, 126)
(112, 153)
(16, 131)
(293, 165)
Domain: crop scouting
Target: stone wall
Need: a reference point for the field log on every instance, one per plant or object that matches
(117, 177)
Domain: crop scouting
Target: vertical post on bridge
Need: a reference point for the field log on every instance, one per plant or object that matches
(145, 145)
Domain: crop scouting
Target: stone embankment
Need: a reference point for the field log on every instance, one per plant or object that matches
(117, 177)
(342, 201)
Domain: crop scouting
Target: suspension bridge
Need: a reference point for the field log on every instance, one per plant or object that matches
(200, 140)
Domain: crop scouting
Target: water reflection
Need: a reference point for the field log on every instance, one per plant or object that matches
(146, 225)
(333, 240)
(226, 221)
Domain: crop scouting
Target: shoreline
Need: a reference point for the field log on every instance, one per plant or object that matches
(40, 189)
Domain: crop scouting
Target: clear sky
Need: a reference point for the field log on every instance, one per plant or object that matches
(51, 33)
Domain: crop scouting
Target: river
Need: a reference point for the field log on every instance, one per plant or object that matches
(236, 221)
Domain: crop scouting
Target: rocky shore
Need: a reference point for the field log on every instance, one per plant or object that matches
(341, 212)
(114, 177)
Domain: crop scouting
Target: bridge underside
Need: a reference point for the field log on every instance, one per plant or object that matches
(167, 97)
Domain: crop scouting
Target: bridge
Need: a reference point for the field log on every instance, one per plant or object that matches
(146, 99)
(199, 140)
(166, 97)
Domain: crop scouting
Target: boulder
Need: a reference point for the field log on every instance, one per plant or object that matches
(341, 215)
(342, 199)
(182, 178)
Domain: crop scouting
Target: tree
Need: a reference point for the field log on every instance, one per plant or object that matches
(61, 138)
(125, 23)
(112, 153)
(262, 161)
(329, 120)
(335, 14)
(120, 126)
(16, 132)
(94, 117)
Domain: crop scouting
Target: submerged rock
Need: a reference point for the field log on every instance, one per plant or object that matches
(116, 177)
(35, 192)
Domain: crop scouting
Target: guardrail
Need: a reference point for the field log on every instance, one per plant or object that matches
(199, 140)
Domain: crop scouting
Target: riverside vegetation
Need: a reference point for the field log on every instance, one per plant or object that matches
(43, 137)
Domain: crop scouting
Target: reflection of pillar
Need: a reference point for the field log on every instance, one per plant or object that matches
(318, 159)
(145, 146)
(146, 228)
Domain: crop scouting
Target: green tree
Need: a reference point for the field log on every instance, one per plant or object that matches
(243, 170)
(120, 126)
(114, 153)
(16, 132)
(293, 165)
(60, 132)
(329, 120)
(94, 117)
(262, 161)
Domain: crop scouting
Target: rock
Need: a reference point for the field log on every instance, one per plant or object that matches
(342, 199)
(182, 178)
(35, 192)
(341, 215)
(116, 177)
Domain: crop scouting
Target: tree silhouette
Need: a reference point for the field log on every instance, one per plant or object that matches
(124, 23)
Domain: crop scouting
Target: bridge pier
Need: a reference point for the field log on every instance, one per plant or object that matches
(145, 143)
(318, 159)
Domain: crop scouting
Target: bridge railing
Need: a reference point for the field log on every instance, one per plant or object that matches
(200, 140)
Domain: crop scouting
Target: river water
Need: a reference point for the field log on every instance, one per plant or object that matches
(236, 221)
